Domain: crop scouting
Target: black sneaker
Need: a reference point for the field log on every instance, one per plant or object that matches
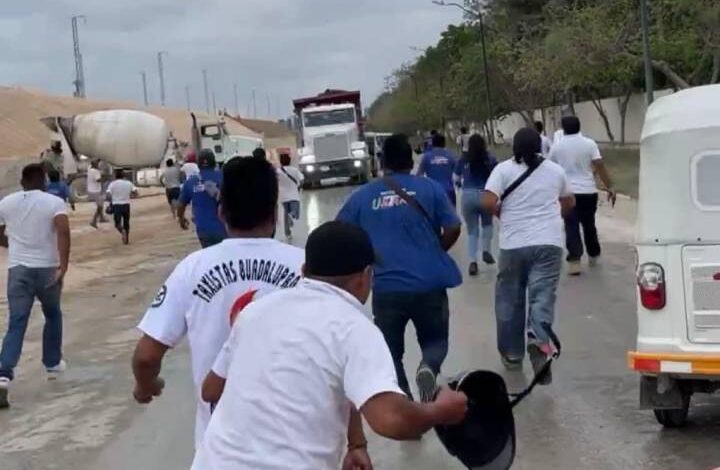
(538, 359)
(473, 269)
(426, 383)
(488, 258)
(512, 363)
(4, 386)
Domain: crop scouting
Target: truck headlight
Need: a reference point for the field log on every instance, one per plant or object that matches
(310, 168)
(357, 164)
(359, 154)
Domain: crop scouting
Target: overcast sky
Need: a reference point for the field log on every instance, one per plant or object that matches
(283, 49)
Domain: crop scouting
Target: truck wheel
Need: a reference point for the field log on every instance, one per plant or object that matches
(676, 418)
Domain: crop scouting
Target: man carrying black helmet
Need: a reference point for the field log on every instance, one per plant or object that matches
(203, 192)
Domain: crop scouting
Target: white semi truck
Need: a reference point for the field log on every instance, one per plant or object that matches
(333, 147)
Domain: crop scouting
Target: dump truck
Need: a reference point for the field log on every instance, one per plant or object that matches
(333, 149)
(120, 138)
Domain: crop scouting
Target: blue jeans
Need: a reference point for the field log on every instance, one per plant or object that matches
(528, 275)
(292, 211)
(24, 285)
(208, 239)
(473, 213)
(430, 314)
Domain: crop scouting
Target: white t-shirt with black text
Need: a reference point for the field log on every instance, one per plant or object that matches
(120, 191)
(289, 189)
(301, 358)
(576, 153)
(29, 220)
(198, 297)
(531, 215)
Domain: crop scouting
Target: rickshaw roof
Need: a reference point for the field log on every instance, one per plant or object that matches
(687, 110)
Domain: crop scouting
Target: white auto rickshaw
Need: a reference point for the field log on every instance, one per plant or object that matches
(678, 248)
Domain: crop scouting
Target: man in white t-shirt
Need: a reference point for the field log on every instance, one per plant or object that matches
(197, 299)
(95, 192)
(289, 179)
(546, 144)
(190, 167)
(34, 227)
(581, 159)
(120, 192)
(531, 241)
(305, 363)
(463, 141)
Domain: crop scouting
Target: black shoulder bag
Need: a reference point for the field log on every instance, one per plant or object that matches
(521, 179)
(411, 201)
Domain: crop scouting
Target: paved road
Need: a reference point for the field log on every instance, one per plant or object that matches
(587, 419)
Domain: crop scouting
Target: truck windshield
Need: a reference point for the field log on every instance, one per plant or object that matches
(329, 118)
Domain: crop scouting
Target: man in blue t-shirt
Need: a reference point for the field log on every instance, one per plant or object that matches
(203, 192)
(415, 271)
(438, 164)
(59, 188)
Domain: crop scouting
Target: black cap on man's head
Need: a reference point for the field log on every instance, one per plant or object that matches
(206, 159)
(338, 249)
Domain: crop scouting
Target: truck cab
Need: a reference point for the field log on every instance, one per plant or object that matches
(215, 136)
(678, 249)
(333, 149)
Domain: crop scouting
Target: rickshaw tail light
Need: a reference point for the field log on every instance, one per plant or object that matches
(651, 284)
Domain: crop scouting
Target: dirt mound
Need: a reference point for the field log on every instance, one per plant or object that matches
(22, 134)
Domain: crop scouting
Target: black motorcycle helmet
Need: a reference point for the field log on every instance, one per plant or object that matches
(485, 440)
(206, 160)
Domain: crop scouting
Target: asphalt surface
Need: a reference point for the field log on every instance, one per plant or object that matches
(588, 418)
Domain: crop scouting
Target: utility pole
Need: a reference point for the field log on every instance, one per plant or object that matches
(207, 93)
(237, 100)
(187, 96)
(144, 85)
(79, 68)
(254, 101)
(647, 53)
(269, 114)
(480, 17)
(161, 74)
(214, 104)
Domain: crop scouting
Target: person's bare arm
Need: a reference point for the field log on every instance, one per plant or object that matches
(146, 364)
(3, 237)
(491, 203)
(601, 170)
(213, 388)
(393, 416)
(567, 204)
(449, 237)
(356, 434)
(62, 229)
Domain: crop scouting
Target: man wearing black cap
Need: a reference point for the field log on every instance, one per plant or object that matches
(412, 225)
(303, 361)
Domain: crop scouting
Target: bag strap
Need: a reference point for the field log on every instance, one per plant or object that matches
(411, 201)
(521, 179)
(282, 168)
(543, 372)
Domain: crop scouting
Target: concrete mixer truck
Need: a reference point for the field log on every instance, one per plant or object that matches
(125, 139)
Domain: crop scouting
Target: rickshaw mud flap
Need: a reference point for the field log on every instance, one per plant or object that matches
(660, 393)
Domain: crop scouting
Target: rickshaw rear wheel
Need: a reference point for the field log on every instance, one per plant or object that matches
(675, 418)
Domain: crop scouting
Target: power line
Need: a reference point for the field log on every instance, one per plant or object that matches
(79, 68)
(161, 73)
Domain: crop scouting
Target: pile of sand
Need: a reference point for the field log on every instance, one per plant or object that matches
(23, 135)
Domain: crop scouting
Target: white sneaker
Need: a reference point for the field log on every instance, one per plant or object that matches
(574, 268)
(54, 372)
(594, 261)
(4, 388)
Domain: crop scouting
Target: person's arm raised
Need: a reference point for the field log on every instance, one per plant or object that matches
(393, 416)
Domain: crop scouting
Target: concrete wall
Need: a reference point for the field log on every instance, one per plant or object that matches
(592, 123)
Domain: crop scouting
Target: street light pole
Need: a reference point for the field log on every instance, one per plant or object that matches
(649, 78)
(488, 98)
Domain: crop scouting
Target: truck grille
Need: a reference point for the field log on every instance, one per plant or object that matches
(331, 147)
